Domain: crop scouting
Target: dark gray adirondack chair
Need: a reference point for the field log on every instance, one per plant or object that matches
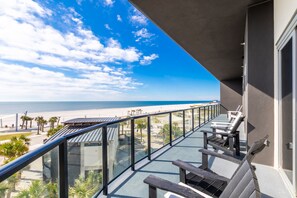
(214, 184)
(227, 139)
(243, 184)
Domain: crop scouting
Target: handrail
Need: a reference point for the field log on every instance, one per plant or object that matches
(21, 162)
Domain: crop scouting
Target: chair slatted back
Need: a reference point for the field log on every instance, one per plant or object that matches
(256, 148)
(243, 184)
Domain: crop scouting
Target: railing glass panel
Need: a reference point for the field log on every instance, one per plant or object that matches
(118, 149)
(196, 117)
(159, 131)
(141, 138)
(84, 155)
(188, 120)
(177, 125)
(38, 179)
(202, 117)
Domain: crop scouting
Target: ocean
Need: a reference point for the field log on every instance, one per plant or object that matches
(7, 108)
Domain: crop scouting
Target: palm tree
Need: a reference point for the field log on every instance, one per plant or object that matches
(86, 187)
(3, 188)
(54, 130)
(15, 148)
(25, 139)
(140, 124)
(52, 122)
(23, 118)
(39, 120)
(39, 189)
(36, 190)
(51, 190)
(30, 119)
(43, 123)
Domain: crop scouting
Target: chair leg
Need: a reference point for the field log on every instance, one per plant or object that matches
(231, 146)
(182, 175)
(152, 192)
(237, 144)
(204, 156)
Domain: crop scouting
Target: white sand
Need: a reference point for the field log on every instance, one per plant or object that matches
(119, 112)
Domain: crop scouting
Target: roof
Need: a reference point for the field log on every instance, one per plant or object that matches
(90, 120)
(93, 136)
(210, 31)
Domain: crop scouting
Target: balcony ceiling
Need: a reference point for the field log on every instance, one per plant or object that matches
(209, 30)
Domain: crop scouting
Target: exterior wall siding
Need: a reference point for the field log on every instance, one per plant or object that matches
(231, 94)
(260, 78)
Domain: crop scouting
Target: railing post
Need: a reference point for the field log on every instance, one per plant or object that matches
(104, 160)
(184, 123)
(207, 113)
(193, 120)
(149, 137)
(204, 114)
(219, 109)
(63, 167)
(170, 128)
(211, 111)
(132, 145)
(199, 117)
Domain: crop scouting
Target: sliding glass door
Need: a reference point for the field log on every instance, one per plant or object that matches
(287, 107)
(287, 111)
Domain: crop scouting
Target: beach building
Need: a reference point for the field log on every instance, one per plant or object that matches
(84, 152)
(250, 46)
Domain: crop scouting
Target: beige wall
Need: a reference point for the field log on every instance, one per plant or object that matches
(283, 12)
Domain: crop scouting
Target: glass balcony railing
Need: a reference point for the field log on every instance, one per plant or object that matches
(85, 162)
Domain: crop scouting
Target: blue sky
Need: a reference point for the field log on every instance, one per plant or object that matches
(93, 50)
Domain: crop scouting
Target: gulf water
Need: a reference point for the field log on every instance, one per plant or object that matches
(7, 108)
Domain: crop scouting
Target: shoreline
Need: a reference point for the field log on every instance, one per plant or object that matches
(88, 113)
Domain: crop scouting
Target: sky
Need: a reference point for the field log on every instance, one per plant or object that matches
(92, 50)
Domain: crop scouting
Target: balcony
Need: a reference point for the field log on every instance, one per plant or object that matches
(112, 159)
(86, 161)
(187, 150)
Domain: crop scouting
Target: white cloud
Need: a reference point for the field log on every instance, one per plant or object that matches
(147, 60)
(40, 84)
(107, 26)
(143, 33)
(42, 55)
(138, 18)
(79, 2)
(119, 18)
(42, 41)
(108, 2)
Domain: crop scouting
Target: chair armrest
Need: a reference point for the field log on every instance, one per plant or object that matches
(216, 133)
(221, 123)
(220, 127)
(222, 156)
(156, 182)
(233, 111)
(198, 171)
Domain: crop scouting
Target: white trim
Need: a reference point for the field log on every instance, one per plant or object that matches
(287, 182)
(287, 32)
(294, 52)
(290, 185)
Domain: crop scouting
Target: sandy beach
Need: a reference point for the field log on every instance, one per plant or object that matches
(112, 112)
